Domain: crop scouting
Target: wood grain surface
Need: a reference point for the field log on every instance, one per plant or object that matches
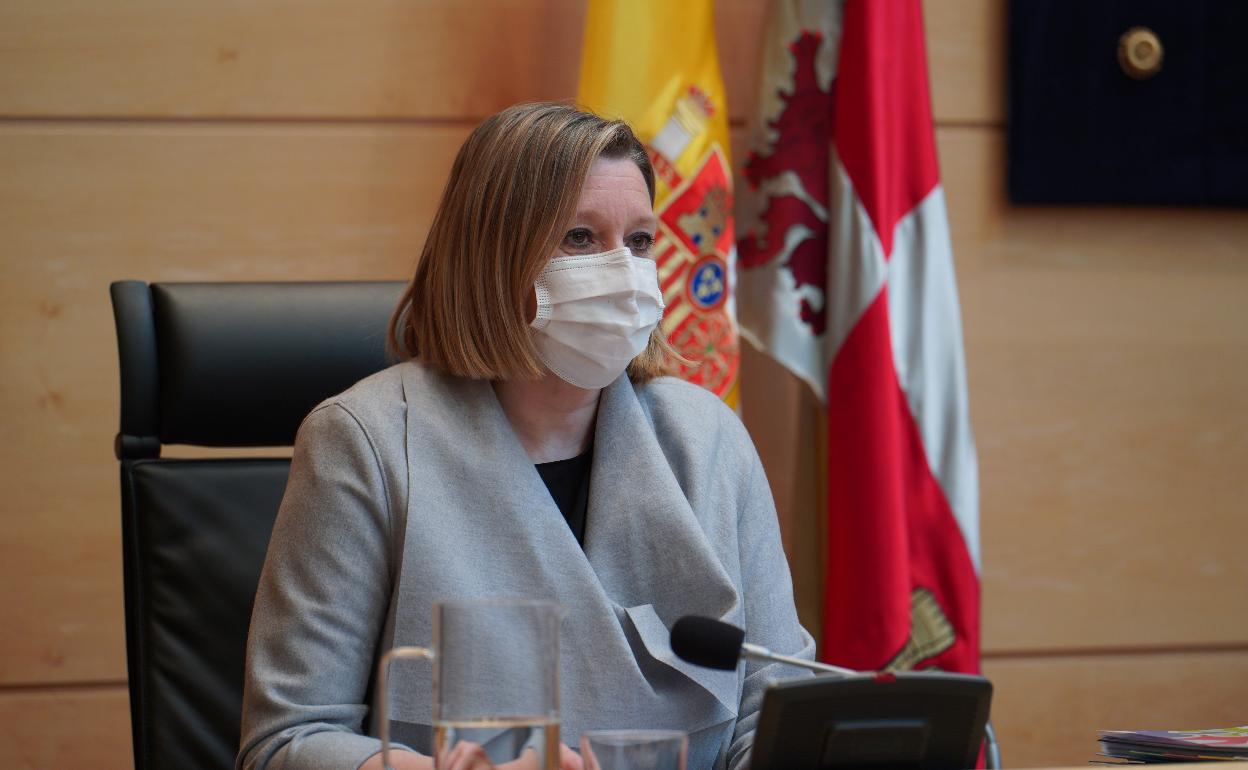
(71, 727)
(318, 59)
(966, 60)
(784, 419)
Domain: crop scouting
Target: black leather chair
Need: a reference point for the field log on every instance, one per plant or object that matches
(216, 365)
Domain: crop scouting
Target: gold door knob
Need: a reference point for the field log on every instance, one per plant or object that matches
(1140, 53)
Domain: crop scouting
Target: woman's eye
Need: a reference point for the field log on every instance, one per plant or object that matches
(640, 243)
(578, 238)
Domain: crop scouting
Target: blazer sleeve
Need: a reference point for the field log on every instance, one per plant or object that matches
(320, 606)
(770, 613)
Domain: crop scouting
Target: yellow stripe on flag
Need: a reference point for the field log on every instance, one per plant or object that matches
(654, 64)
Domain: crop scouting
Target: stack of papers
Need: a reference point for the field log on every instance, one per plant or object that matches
(1145, 746)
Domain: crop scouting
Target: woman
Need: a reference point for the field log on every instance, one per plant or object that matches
(529, 447)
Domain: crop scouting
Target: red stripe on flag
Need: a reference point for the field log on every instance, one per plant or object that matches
(891, 530)
(883, 131)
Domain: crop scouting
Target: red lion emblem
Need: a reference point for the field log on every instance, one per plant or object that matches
(803, 130)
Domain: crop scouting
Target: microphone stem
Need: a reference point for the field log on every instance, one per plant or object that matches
(756, 651)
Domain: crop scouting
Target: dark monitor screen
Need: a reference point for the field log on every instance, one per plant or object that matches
(909, 720)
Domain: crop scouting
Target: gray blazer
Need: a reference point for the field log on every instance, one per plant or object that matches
(411, 487)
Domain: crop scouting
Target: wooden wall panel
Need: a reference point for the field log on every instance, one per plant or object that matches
(438, 59)
(966, 60)
(373, 58)
(1047, 710)
(1109, 393)
(65, 728)
(218, 201)
(783, 417)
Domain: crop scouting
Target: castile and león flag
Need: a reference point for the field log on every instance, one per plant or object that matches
(847, 279)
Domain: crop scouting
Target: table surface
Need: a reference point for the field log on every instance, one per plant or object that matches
(1207, 765)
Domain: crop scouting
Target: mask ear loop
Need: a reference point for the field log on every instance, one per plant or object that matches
(541, 291)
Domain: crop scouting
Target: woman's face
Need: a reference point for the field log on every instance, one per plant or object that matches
(614, 211)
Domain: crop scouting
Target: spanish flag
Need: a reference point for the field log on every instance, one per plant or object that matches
(654, 64)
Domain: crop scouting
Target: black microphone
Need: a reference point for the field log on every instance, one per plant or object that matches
(707, 642)
(716, 644)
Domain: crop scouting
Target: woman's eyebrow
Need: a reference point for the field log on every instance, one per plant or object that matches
(649, 224)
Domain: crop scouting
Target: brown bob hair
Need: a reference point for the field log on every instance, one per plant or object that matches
(513, 188)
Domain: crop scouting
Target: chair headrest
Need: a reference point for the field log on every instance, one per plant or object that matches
(241, 364)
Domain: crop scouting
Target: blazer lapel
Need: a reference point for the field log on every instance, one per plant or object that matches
(645, 543)
(479, 521)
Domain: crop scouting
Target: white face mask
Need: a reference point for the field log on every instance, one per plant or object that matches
(595, 313)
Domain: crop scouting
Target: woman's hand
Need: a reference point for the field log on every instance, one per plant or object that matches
(467, 755)
(568, 760)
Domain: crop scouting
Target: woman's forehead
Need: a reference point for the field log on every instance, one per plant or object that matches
(615, 193)
(615, 174)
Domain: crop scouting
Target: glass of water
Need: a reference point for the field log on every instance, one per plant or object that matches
(634, 749)
(495, 677)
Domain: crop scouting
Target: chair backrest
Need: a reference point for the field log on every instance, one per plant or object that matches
(218, 365)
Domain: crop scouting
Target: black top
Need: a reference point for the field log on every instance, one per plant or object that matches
(568, 482)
